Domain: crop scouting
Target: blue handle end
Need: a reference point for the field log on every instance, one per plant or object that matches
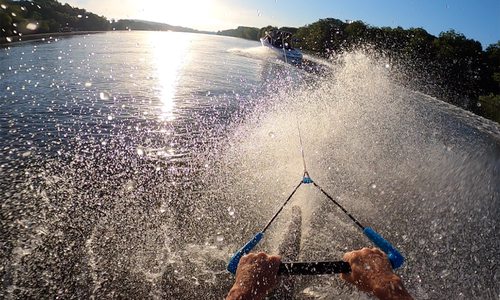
(235, 260)
(307, 180)
(393, 254)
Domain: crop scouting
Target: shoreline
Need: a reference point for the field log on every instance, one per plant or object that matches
(41, 36)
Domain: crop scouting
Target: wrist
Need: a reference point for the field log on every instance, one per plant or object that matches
(390, 287)
(240, 292)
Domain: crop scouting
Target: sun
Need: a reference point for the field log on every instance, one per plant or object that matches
(197, 14)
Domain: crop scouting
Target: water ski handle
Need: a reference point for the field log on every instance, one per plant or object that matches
(235, 260)
(314, 268)
(393, 254)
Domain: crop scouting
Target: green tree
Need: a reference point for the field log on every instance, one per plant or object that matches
(356, 33)
(5, 24)
(324, 36)
(492, 63)
(489, 107)
(419, 44)
(461, 61)
(51, 15)
(292, 30)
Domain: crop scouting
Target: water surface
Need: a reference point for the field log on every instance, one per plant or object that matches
(134, 164)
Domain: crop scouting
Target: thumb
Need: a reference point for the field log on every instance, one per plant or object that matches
(347, 277)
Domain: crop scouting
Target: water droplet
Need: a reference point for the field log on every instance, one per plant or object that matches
(445, 273)
(374, 186)
(110, 117)
(20, 251)
(31, 26)
(438, 236)
(9, 39)
(104, 96)
(196, 282)
(140, 152)
(129, 186)
(88, 84)
(26, 154)
(219, 238)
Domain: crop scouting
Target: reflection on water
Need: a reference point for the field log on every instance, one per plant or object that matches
(133, 165)
(170, 52)
(104, 141)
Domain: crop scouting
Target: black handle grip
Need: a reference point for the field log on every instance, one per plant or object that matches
(314, 268)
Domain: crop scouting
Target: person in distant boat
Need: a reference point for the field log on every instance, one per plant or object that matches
(287, 37)
(371, 271)
(268, 37)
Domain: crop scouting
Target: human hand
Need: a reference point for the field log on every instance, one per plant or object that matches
(255, 277)
(371, 271)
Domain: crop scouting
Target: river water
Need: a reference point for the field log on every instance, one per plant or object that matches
(134, 164)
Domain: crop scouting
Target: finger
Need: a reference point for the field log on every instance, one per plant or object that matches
(245, 258)
(348, 256)
(275, 259)
(347, 277)
(353, 258)
(378, 251)
(248, 258)
(274, 263)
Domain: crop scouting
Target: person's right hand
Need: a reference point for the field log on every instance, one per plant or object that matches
(371, 271)
(256, 275)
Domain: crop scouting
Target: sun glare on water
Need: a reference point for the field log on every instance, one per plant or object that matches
(169, 55)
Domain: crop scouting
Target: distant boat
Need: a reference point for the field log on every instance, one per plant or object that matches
(280, 42)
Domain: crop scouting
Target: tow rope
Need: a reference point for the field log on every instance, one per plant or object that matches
(315, 268)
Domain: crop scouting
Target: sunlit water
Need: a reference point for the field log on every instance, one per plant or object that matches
(134, 164)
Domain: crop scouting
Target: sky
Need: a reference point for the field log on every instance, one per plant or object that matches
(476, 19)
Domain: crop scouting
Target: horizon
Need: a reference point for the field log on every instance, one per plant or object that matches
(479, 20)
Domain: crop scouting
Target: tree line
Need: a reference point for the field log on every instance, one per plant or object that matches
(46, 16)
(49, 16)
(449, 66)
(249, 33)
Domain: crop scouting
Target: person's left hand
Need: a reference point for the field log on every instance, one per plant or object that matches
(256, 275)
